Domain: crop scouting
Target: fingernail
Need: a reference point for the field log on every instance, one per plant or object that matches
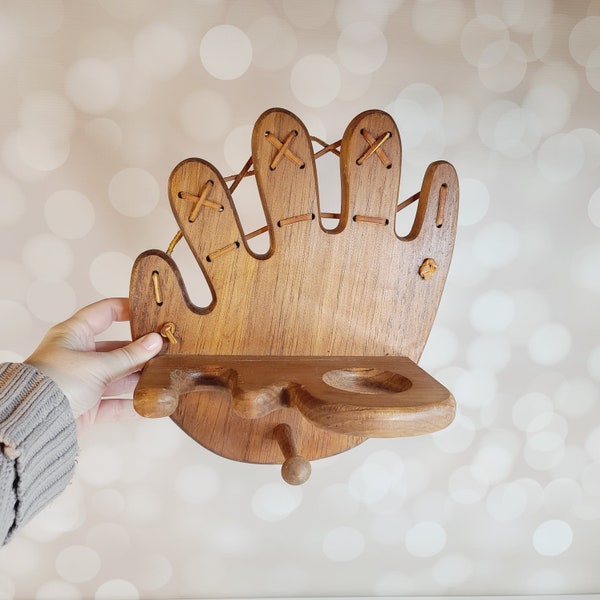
(152, 341)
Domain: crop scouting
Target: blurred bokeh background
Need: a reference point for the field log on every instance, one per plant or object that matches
(100, 99)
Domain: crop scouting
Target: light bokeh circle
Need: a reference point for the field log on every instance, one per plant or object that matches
(506, 70)
(510, 129)
(117, 588)
(506, 502)
(550, 105)
(315, 80)
(78, 564)
(457, 437)
(274, 42)
(585, 267)
(134, 192)
(153, 572)
(370, 482)
(552, 537)
(362, 48)
(474, 201)
(561, 494)
(9, 40)
(105, 133)
(12, 202)
(438, 21)
(226, 52)
(594, 208)
(309, 14)
(93, 86)
(592, 70)
(593, 363)
(484, 41)
(343, 544)
(590, 479)
(492, 311)
(583, 40)
(549, 343)
(51, 301)
(274, 502)
(236, 147)
(110, 273)
(561, 157)
(425, 539)
(467, 485)
(592, 443)
(41, 151)
(69, 214)
(160, 51)
(532, 411)
(47, 257)
(51, 590)
(577, 397)
(495, 462)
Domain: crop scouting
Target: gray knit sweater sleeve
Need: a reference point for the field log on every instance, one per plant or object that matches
(38, 444)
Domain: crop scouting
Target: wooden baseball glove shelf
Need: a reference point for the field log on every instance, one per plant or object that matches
(312, 347)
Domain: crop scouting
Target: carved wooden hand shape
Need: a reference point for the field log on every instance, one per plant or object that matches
(311, 348)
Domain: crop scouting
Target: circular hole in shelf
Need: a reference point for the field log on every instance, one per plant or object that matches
(367, 381)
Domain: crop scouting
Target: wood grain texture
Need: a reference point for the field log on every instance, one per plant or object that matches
(352, 292)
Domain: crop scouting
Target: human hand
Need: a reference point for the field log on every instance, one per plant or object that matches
(91, 373)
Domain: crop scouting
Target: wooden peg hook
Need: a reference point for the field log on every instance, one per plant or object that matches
(295, 469)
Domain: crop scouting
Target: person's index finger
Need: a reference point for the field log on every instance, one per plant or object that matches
(100, 315)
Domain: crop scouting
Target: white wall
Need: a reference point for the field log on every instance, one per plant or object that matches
(100, 99)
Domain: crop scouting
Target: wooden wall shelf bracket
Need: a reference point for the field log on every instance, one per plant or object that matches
(311, 348)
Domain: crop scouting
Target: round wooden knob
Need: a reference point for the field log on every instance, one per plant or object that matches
(155, 402)
(295, 469)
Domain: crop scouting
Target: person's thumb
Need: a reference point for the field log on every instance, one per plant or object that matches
(131, 358)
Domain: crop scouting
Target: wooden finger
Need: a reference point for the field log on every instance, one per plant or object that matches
(286, 176)
(434, 230)
(207, 217)
(370, 165)
(160, 303)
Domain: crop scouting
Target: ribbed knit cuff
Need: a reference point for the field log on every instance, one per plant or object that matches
(38, 444)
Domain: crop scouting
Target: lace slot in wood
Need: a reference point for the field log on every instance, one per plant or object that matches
(283, 149)
(439, 220)
(222, 251)
(201, 200)
(157, 291)
(295, 219)
(375, 147)
(367, 219)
